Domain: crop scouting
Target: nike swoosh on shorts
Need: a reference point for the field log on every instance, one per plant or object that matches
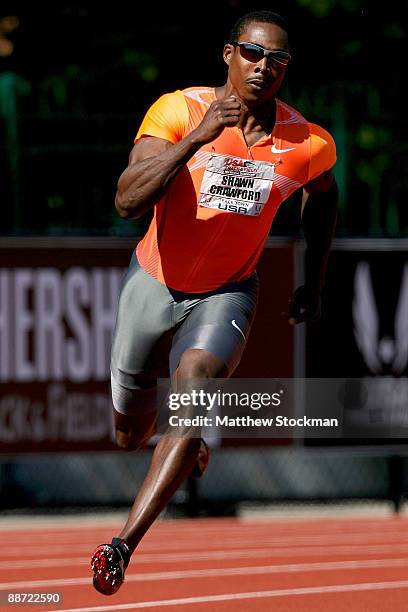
(240, 330)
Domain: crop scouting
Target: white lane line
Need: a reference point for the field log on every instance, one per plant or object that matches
(201, 535)
(21, 551)
(34, 563)
(239, 526)
(335, 588)
(216, 572)
(228, 538)
(247, 553)
(287, 542)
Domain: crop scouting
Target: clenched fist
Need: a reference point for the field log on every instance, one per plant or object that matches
(221, 114)
(304, 307)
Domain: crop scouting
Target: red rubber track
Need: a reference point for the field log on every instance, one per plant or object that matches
(229, 565)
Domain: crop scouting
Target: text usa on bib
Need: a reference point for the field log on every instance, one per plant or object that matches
(233, 184)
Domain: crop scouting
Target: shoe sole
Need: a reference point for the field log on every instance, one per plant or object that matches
(108, 567)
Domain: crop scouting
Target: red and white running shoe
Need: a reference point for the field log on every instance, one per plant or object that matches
(108, 563)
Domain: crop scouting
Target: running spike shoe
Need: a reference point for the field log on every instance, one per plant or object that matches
(108, 563)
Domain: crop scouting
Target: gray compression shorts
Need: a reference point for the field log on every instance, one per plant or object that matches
(149, 312)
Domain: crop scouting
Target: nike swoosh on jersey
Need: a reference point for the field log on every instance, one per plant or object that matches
(275, 150)
(240, 330)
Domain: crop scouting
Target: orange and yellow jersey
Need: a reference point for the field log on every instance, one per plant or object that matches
(210, 227)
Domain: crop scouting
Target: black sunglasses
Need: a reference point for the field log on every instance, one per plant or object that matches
(255, 53)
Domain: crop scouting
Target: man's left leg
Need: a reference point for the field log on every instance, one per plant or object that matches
(173, 460)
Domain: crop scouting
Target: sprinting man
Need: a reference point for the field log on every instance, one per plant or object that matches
(215, 164)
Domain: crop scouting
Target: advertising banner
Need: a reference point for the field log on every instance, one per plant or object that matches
(58, 300)
(364, 333)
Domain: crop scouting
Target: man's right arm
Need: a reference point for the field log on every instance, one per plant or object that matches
(154, 162)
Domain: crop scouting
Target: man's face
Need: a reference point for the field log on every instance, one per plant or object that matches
(256, 82)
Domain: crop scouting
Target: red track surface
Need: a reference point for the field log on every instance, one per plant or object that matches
(311, 565)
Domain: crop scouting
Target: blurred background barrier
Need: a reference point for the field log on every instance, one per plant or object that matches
(264, 476)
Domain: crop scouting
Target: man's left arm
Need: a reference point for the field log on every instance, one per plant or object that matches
(319, 215)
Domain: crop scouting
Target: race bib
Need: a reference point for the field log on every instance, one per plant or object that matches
(236, 185)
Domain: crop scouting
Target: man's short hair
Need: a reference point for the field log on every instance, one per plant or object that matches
(255, 16)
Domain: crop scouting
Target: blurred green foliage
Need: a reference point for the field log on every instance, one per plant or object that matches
(92, 73)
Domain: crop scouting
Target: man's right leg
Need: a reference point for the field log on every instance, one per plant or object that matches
(140, 348)
(134, 412)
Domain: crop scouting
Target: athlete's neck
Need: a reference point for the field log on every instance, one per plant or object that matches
(258, 121)
(255, 121)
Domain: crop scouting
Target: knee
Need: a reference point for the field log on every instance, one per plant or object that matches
(131, 440)
(130, 434)
(134, 414)
(127, 440)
